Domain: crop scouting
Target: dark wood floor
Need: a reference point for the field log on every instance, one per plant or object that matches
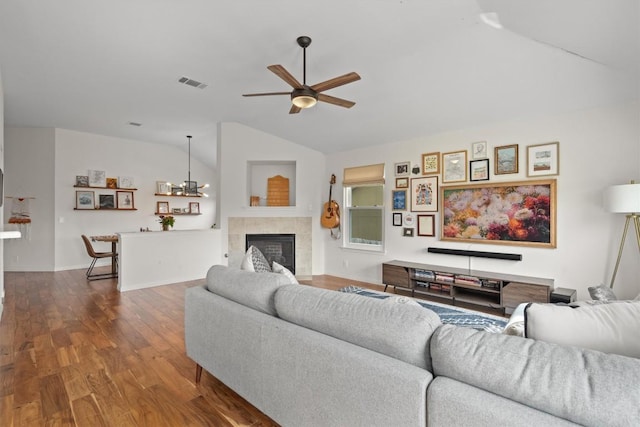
(78, 353)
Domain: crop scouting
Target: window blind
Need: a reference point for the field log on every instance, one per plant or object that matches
(361, 175)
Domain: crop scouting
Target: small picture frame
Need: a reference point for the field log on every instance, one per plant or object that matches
(402, 168)
(125, 182)
(97, 178)
(479, 150)
(125, 200)
(107, 201)
(402, 182)
(82, 180)
(408, 219)
(162, 207)
(176, 211)
(426, 225)
(424, 194)
(407, 232)
(399, 198)
(163, 187)
(190, 188)
(194, 207)
(479, 170)
(177, 190)
(543, 159)
(397, 219)
(431, 163)
(112, 183)
(454, 166)
(506, 159)
(85, 200)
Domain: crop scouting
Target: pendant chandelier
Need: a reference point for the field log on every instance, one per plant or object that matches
(189, 187)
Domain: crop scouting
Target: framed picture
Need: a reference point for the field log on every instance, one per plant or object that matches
(402, 169)
(402, 182)
(125, 199)
(194, 207)
(454, 166)
(190, 188)
(125, 182)
(85, 200)
(162, 207)
(426, 225)
(97, 178)
(177, 190)
(479, 170)
(399, 200)
(176, 211)
(397, 219)
(82, 180)
(408, 219)
(543, 159)
(112, 183)
(407, 232)
(431, 163)
(163, 187)
(479, 150)
(424, 194)
(511, 213)
(107, 201)
(506, 159)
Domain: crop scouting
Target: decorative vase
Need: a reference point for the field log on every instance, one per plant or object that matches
(165, 227)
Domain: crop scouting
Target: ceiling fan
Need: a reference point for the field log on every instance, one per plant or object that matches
(304, 96)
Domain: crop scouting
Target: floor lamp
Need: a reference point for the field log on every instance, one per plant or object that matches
(624, 199)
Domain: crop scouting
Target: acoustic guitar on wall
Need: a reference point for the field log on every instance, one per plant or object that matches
(330, 217)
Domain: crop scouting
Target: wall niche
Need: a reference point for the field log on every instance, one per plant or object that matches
(258, 174)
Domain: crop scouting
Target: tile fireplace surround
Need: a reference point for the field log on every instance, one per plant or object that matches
(300, 226)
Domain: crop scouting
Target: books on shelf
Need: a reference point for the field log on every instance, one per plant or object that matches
(424, 274)
(467, 280)
(445, 277)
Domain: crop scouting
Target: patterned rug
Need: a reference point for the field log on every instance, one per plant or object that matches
(449, 315)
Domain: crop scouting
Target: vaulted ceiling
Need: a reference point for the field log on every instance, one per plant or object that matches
(426, 66)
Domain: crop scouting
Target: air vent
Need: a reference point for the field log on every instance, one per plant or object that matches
(191, 82)
(135, 124)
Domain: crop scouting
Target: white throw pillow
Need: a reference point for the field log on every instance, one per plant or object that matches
(254, 261)
(610, 328)
(281, 269)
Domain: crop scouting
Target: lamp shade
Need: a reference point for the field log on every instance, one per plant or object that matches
(623, 198)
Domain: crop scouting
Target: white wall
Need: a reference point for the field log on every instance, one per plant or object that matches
(239, 144)
(1, 210)
(45, 163)
(598, 148)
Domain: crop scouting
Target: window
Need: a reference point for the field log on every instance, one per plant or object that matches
(364, 207)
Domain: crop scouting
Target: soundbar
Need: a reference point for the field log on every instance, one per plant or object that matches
(479, 254)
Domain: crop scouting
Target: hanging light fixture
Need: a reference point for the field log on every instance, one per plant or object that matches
(190, 188)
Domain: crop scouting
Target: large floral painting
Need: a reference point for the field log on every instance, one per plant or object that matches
(512, 213)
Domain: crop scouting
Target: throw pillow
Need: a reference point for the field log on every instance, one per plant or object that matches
(602, 293)
(254, 261)
(281, 269)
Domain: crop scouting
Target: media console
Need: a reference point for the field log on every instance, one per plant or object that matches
(456, 285)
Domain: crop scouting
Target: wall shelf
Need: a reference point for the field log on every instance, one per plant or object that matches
(176, 214)
(105, 188)
(177, 195)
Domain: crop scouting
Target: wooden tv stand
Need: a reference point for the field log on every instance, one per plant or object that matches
(456, 285)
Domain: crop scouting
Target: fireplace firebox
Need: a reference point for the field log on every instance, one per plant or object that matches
(280, 248)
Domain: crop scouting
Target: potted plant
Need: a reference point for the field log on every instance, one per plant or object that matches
(166, 221)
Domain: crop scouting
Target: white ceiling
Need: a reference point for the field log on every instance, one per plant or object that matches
(427, 66)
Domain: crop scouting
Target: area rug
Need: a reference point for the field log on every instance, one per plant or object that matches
(449, 315)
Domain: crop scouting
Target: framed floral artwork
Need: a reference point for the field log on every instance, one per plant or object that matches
(479, 170)
(543, 159)
(454, 166)
(511, 213)
(399, 200)
(424, 194)
(431, 163)
(506, 159)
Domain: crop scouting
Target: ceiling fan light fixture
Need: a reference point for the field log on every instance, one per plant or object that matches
(304, 97)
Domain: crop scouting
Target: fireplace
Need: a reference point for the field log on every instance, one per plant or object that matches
(280, 248)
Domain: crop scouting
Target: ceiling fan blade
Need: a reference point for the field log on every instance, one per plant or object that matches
(281, 72)
(335, 82)
(335, 101)
(294, 109)
(266, 94)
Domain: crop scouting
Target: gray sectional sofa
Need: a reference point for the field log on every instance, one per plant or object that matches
(312, 357)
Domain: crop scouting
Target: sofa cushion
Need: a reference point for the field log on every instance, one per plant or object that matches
(254, 260)
(401, 331)
(281, 269)
(610, 328)
(255, 290)
(602, 293)
(584, 386)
